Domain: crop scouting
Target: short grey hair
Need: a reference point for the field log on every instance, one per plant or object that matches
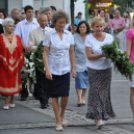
(42, 15)
(22, 16)
(117, 10)
(41, 8)
(14, 9)
(47, 9)
(60, 14)
(7, 21)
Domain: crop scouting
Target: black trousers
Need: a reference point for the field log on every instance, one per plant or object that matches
(41, 88)
(24, 92)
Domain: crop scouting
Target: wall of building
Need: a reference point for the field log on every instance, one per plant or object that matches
(66, 6)
(57, 3)
(79, 7)
(13, 4)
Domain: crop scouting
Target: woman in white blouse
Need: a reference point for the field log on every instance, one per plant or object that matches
(58, 54)
(99, 72)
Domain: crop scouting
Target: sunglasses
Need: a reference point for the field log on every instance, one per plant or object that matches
(125, 16)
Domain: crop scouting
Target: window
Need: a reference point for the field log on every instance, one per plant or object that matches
(3, 4)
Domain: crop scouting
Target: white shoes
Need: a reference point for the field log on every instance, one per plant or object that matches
(100, 124)
(64, 122)
(6, 107)
(59, 128)
(12, 105)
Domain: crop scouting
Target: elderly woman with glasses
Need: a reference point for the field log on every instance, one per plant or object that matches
(11, 61)
(58, 55)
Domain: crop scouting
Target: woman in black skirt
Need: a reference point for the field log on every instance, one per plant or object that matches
(99, 72)
(58, 55)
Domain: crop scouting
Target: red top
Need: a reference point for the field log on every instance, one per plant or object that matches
(11, 61)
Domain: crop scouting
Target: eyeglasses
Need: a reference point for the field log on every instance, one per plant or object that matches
(10, 26)
(61, 23)
(125, 16)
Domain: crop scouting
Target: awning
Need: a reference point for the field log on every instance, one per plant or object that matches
(98, 8)
(100, 1)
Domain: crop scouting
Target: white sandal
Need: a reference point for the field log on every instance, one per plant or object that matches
(59, 128)
(64, 122)
(12, 105)
(100, 124)
(6, 107)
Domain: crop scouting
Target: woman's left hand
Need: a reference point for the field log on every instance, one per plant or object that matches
(74, 74)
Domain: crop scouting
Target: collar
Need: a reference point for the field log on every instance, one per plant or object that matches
(64, 31)
(117, 18)
(44, 28)
(26, 22)
(49, 22)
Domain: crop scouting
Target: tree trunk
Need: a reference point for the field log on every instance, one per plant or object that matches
(72, 11)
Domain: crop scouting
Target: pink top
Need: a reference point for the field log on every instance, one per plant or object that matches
(130, 37)
(118, 23)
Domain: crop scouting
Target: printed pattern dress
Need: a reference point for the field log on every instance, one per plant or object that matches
(11, 61)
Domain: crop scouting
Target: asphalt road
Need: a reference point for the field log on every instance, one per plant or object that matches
(28, 118)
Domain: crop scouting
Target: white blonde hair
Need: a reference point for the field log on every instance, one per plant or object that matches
(97, 20)
(7, 21)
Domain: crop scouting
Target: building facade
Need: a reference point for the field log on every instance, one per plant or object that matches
(8, 5)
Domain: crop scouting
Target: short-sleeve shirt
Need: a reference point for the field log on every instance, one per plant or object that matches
(100, 63)
(80, 54)
(130, 37)
(23, 29)
(58, 56)
(77, 21)
(118, 22)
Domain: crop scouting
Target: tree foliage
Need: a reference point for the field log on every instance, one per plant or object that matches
(122, 4)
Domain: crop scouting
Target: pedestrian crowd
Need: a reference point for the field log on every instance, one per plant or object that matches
(74, 49)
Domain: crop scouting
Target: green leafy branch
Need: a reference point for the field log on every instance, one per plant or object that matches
(120, 59)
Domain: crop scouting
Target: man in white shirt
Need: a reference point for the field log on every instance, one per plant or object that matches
(48, 12)
(23, 29)
(35, 38)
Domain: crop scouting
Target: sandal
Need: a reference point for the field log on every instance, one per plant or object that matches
(6, 107)
(12, 105)
(100, 124)
(59, 128)
(64, 122)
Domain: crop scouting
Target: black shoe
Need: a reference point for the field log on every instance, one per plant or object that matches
(79, 105)
(43, 106)
(23, 99)
(48, 105)
(83, 104)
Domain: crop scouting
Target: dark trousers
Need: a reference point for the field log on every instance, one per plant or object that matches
(24, 92)
(41, 88)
